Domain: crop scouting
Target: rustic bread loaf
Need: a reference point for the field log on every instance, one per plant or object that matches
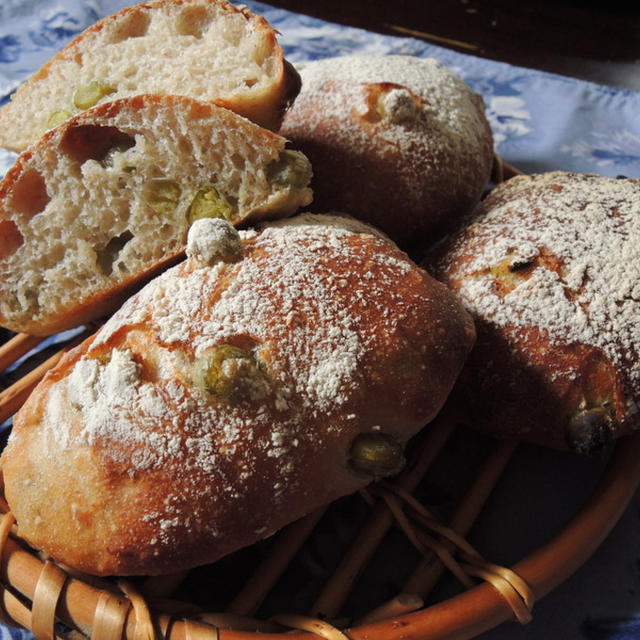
(550, 269)
(205, 49)
(109, 196)
(398, 141)
(266, 375)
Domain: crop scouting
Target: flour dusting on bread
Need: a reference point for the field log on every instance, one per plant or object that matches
(281, 286)
(222, 401)
(549, 267)
(590, 225)
(212, 239)
(398, 141)
(418, 87)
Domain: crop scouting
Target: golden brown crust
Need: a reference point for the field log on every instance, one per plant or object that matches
(399, 142)
(322, 331)
(548, 268)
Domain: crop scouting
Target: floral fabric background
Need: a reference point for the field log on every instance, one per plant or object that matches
(541, 122)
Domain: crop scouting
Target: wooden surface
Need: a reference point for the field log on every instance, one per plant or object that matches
(591, 40)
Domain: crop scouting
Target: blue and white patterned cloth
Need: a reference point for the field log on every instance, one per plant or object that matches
(540, 122)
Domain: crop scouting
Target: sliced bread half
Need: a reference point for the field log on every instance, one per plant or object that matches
(108, 196)
(205, 49)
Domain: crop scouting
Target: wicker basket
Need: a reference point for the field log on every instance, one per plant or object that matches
(51, 600)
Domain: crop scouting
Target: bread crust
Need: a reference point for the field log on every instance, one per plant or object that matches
(104, 201)
(338, 332)
(397, 141)
(25, 118)
(548, 267)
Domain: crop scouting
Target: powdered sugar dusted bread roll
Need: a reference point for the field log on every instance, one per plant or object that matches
(550, 270)
(205, 49)
(398, 141)
(109, 195)
(270, 373)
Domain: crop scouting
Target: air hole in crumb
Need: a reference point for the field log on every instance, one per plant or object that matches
(186, 146)
(133, 25)
(237, 161)
(28, 300)
(249, 82)
(10, 238)
(29, 195)
(92, 142)
(109, 254)
(193, 21)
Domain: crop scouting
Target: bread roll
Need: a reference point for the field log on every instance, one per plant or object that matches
(109, 195)
(550, 270)
(398, 141)
(270, 373)
(205, 49)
